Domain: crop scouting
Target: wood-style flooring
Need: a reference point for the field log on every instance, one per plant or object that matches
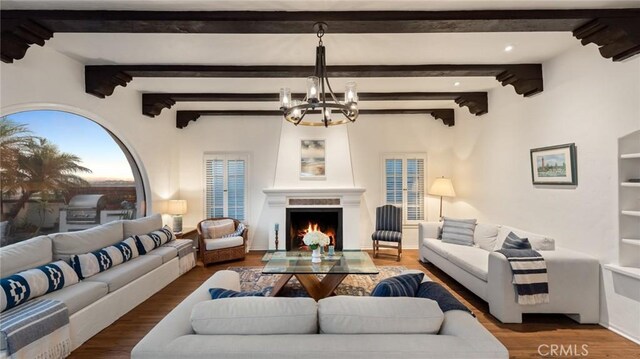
(522, 340)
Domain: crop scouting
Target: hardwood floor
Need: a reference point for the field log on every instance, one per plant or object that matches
(522, 340)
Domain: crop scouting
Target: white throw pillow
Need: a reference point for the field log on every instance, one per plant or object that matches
(485, 236)
(379, 315)
(538, 242)
(255, 316)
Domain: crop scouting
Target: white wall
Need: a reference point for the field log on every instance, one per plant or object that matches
(373, 136)
(587, 100)
(46, 79)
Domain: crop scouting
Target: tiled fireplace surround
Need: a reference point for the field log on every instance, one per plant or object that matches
(349, 199)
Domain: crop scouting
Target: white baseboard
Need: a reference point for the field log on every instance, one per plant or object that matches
(621, 332)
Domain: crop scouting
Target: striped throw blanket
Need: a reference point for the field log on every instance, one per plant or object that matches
(38, 329)
(187, 259)
(529, 275)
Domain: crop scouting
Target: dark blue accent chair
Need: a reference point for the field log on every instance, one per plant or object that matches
(388, 229)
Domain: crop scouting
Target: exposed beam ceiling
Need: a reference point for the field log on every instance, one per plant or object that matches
(184, 117)
(102, 80)
(154, 103)
(616, 31)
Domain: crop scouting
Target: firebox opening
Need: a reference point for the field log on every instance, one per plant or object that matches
(301, 220)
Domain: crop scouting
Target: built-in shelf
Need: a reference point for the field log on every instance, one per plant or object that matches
(628, 271)
(630, 155)
(630, 184)
(633, 241)
(631, 213)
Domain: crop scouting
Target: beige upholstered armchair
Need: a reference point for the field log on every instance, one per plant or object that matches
(221, 239)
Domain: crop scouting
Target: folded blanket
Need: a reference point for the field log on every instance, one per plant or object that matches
(529, 275)
(38, 329)
(446, 301)
(187, 259)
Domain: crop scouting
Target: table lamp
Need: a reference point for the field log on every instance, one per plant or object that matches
(177, 207)
(442, 187)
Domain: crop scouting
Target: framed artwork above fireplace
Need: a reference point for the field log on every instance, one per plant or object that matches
(312, 160)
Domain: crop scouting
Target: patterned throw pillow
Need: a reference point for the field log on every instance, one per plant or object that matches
(89, 264)
(20, 287)
(238, 232)
(458, 231)
(405, 285)
(217, 293)
(150, 241)
(514, 242)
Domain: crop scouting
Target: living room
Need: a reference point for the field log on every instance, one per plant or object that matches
(440, 88)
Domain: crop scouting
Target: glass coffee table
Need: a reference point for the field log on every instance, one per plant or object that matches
(334, 269)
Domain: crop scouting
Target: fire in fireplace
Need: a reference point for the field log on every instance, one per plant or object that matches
(300, 221)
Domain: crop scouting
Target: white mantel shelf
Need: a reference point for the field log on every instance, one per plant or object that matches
(313, 191)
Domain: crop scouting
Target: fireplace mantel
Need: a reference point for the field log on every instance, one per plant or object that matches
(348, 198)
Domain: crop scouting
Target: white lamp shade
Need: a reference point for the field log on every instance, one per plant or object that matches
(177, 206)
(442, 187)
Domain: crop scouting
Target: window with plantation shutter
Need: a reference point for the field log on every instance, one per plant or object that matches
(225, 185)
(404, 183)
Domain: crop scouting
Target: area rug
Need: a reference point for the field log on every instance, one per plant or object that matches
(252, 279)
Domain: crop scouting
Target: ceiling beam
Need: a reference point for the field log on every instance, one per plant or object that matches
(22, 28)
(184, 117)
(102, 80)
(154, 103)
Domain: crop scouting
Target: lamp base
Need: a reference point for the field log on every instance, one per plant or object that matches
(177, 223)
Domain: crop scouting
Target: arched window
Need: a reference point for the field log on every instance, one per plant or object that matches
(63, 172)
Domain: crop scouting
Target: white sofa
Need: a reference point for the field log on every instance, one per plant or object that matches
(98, 301)
(460, 336)
(574, 279)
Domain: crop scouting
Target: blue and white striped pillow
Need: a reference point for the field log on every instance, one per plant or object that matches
(237, 232)
(20, 287)
(218, 293)
(150, 241)
(89, 264)
(405, 285)
(514, 242)
(458, 231)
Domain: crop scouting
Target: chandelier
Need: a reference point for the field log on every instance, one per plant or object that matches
(320, 98)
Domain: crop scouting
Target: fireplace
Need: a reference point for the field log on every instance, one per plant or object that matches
(301, 220)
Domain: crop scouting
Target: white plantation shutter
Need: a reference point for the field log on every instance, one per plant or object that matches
(404, 184)
(415, 189)
(226, 186)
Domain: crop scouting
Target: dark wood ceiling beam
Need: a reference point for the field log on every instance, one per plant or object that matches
(184, 117)
(154, 103)
(102, 80)
(21, 28)
(43, 23)
(617, 39)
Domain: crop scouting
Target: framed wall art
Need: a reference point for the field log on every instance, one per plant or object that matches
(312, 159)
(554, 165)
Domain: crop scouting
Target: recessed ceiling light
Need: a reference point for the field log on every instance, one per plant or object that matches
(456, 83)
(508, 48)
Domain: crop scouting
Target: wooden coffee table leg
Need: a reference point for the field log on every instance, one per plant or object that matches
(282, 281)
(320, 289)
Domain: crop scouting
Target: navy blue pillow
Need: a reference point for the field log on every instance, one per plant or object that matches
(405, 285)
(514, 242)
(446, 301)
(217, 293)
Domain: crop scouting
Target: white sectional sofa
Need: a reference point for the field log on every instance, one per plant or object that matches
(460, 335)
(574, 278)
(98, 301)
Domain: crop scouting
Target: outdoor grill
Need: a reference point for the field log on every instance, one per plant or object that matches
(85, 208)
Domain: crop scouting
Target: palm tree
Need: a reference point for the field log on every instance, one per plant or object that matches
(14, 139)
(43, 168)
